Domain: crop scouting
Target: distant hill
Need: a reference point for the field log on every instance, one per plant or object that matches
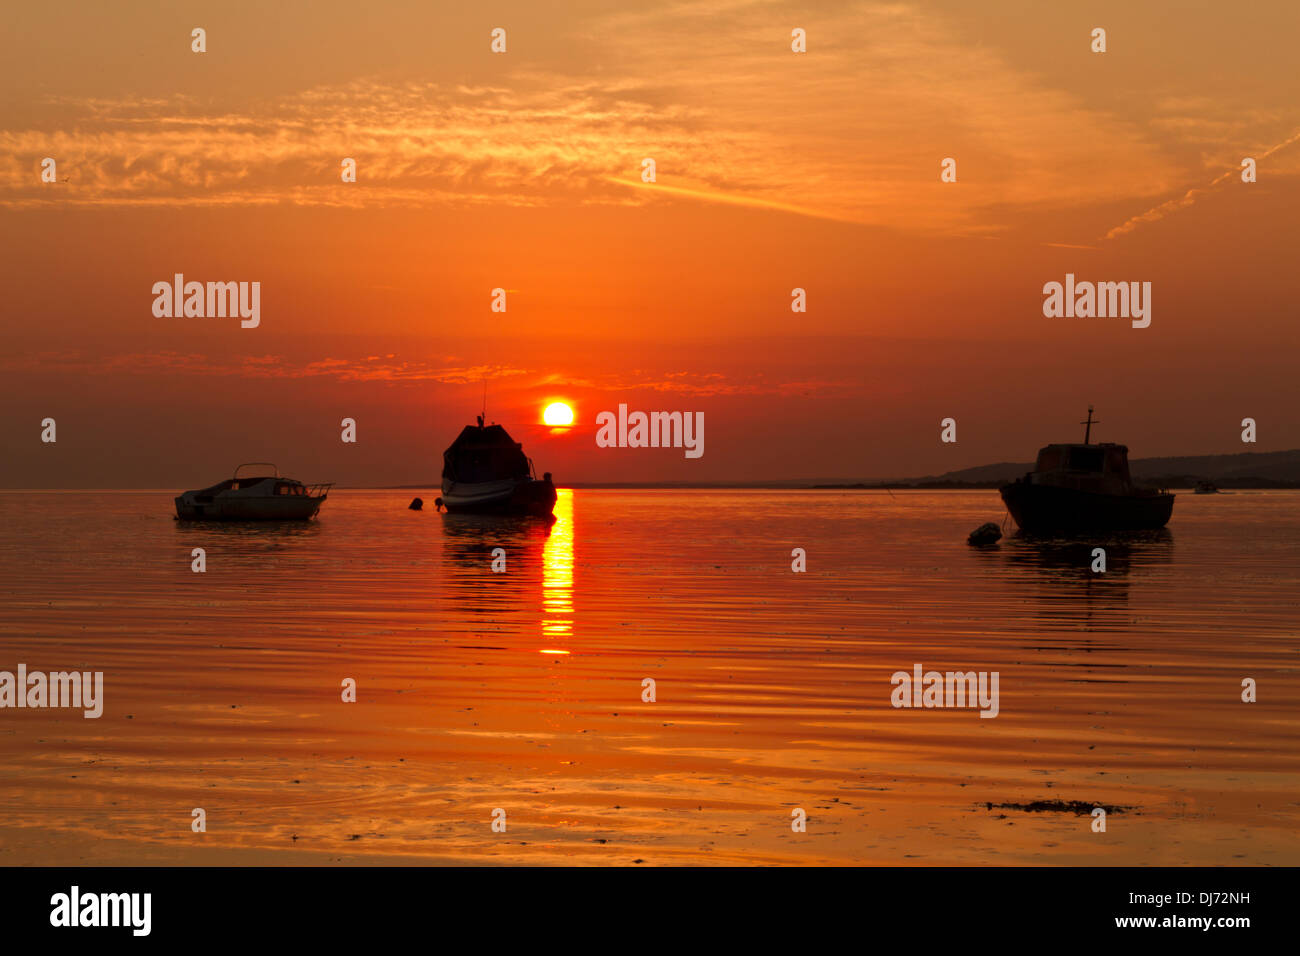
(1272, 469)
(1272, 466)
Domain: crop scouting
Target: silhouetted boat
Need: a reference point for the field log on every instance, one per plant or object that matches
(1084, 488)
(256, 497)
(485, 471)
(1205, 488)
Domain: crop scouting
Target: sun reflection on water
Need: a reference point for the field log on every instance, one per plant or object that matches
(557, 572)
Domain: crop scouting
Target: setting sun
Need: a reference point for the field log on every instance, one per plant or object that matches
(557, 413)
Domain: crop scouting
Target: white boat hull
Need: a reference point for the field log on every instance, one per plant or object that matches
(266, 508)
(523, 496)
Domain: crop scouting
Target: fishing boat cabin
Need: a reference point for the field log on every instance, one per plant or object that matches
(484, 453)
(1100, 468)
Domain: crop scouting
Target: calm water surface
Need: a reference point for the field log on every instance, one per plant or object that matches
(522, 690)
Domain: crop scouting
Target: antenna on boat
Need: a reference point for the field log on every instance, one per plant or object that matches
(1087, 431)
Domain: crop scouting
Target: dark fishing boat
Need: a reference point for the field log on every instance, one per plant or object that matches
(1083, 488)
(485, 471)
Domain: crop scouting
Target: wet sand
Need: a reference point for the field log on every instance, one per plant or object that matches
(522, 690)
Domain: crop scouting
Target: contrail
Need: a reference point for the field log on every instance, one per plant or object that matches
(1165, 208)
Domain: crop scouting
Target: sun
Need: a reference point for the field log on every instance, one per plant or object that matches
(557, 413)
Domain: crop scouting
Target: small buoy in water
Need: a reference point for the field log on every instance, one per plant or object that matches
(416, 504)
(987, 533)
(437, 504)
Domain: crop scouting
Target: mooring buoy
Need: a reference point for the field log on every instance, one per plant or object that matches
(987, 533)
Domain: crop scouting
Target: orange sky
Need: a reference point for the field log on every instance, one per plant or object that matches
(522, 171)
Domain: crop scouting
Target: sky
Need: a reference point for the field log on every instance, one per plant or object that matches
(521, 170)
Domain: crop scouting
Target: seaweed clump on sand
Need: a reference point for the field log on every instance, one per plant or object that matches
(1055, 806)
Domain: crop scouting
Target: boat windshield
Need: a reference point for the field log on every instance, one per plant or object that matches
(486, 464)
(1049, 459)
(1086, 459)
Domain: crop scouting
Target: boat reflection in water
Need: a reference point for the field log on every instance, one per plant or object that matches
(1058, 576)
(1070, 558)
(537, 554)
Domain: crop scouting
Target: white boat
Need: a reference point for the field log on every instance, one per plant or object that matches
(254, 497)
(485, 471)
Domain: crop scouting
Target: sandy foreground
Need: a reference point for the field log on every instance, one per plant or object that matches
(411, 774)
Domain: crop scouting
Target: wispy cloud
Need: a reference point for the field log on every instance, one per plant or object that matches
(852, 131)
(390, 369)
(373, 368)
(1167, 208)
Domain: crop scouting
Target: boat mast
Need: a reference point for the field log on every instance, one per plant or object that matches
(1087, 431)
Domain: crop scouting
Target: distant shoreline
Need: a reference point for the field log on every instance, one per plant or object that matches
(1244, 471)
(1183, 483)
(880, 488)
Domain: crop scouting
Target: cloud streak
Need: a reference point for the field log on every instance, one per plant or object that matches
(1171, 206)
(391, 370)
